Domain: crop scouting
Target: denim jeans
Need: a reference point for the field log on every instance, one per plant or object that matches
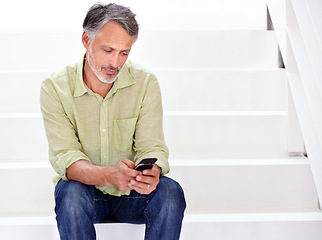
(80, 206)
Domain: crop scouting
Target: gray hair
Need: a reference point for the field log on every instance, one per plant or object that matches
(99, 14)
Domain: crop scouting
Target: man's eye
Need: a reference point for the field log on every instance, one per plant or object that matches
(107, 50)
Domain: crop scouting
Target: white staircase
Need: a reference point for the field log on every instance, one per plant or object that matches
(226, 123)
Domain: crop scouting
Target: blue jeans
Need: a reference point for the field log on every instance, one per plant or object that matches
(80, 206)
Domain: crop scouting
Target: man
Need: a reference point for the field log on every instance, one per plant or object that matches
(102, 116)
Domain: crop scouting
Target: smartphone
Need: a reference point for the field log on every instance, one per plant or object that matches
(146, 163)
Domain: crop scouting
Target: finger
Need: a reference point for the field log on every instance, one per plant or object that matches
(144, 189)
(155, 171)
(132, 173)
(128, 163)
(127, 170)
(140, 185)
(144, 179)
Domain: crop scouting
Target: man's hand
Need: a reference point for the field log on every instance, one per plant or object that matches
(121, 174)
(147, 181)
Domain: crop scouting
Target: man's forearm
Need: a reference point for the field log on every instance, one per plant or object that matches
(85, 172)
(118, 176)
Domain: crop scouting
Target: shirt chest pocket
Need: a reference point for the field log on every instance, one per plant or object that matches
(123, 133)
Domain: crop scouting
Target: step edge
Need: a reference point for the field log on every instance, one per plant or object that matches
(187, 163)
(255, 217)
(170, 113)
(189, 218)
(226, 113)
(157, 70)
(240, 162)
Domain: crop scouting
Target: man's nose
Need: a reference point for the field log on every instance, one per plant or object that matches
(115, 60)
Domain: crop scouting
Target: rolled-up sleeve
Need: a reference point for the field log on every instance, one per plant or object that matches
(149, 137)
(63, 144)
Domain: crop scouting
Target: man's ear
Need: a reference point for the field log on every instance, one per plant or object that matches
(85, 40)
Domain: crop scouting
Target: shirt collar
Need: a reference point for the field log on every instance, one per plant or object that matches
(80, 87)
(123, 80)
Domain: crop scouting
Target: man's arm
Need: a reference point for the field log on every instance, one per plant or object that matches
(64, 147)
(117, 176)
(149, 139)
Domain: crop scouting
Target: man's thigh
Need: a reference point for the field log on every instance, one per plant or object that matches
(137, 208)
(73, 196)
(126, 209)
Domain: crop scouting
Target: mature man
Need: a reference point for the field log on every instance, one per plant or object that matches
(102, 116)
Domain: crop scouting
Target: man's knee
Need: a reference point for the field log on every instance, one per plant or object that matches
(172, 194)
(72, 197)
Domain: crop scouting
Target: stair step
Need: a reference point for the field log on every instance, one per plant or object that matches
(188, 218)
(219, 89)
(39, 228)
(199, 90)
(155, 49)
(22, 99)
(254, 217)
(208, 15)
(297, 226)
(228, 135)
(214, 135)
(263, 226)
(259, 185)
(206, 49)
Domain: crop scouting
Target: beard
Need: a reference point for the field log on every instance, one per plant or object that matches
(99, 71)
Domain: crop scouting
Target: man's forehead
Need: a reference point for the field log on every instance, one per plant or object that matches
(114, 35)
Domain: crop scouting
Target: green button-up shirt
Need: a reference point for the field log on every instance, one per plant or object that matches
(80, 124)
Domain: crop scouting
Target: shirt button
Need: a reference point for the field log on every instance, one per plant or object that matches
(104, 129)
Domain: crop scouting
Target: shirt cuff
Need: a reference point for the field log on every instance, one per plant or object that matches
(68, 159)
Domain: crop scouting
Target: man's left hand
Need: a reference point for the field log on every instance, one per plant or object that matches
(147, 181)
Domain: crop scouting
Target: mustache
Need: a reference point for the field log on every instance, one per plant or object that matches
(110, 68)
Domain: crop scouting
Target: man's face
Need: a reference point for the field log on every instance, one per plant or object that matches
(108, 51)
